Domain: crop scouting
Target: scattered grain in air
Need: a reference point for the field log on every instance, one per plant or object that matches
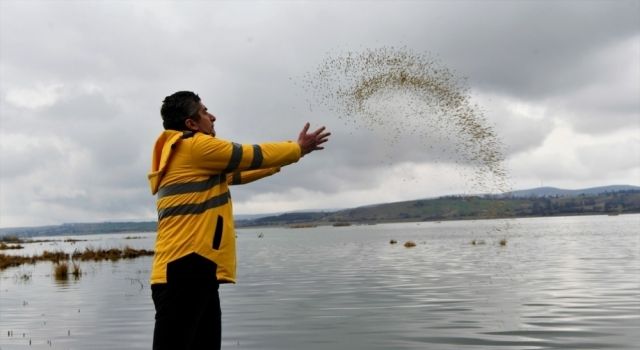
(397, 92)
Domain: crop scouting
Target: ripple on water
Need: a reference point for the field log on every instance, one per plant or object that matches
(347, 288)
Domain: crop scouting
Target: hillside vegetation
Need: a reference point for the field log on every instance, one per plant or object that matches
(467, 207)
(436, 209)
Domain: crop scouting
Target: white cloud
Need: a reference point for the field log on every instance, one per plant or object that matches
(41, 95)
(402, 182)
(520, 124)
(577, 160)
(22, 154)
(610, 100)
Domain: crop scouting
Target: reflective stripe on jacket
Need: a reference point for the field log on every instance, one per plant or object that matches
(190, 174)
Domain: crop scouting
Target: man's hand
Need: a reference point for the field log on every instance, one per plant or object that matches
(310, 142)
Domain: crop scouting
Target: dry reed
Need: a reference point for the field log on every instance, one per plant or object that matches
(76, 271)
(56, 257)
(4, 246)
(61, 271)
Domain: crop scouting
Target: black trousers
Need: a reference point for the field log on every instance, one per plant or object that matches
(187, 316)
(187, 306)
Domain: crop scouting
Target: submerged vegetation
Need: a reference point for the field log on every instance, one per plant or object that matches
(409, 244)
(76, 271)
(11, 239)
(61, 271)
(302, 225)
(6, 241)
(4, 246)
(17, 260)
(112, 254)
(60, 257)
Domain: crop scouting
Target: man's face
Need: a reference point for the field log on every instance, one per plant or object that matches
(204, 121)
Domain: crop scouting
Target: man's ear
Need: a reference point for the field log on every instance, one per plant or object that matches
(191, 124)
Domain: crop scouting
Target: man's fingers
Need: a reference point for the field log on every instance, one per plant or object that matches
(317, 132)
(322, 139)
(305, 129)
(325, 135)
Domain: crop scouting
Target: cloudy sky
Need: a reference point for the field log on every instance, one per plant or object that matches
(81, 85)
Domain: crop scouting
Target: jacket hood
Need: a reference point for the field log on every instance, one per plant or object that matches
(161, 153)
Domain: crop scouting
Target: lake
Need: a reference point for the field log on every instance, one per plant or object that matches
(557, 283)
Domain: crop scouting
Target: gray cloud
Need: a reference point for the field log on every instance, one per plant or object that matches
(82, 84)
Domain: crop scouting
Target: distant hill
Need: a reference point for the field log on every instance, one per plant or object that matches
(80, 229)
(543, 201)
(553, 191)
(470, 207)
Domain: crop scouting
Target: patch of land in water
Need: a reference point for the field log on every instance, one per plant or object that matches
(89, 254)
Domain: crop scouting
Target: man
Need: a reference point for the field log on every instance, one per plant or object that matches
(195, 246)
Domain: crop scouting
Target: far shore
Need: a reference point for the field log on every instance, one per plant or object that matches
(24, 235)
(382, 222)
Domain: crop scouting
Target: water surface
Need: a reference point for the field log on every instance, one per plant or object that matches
(558, 283)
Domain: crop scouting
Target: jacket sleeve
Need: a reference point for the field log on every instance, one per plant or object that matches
(245, 177)
(216, 155)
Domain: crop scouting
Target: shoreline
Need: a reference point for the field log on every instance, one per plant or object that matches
(25, 238)
(297, 225)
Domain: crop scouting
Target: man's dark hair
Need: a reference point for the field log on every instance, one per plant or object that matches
(177, 108)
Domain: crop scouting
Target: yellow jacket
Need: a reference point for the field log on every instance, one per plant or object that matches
(190, 174)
